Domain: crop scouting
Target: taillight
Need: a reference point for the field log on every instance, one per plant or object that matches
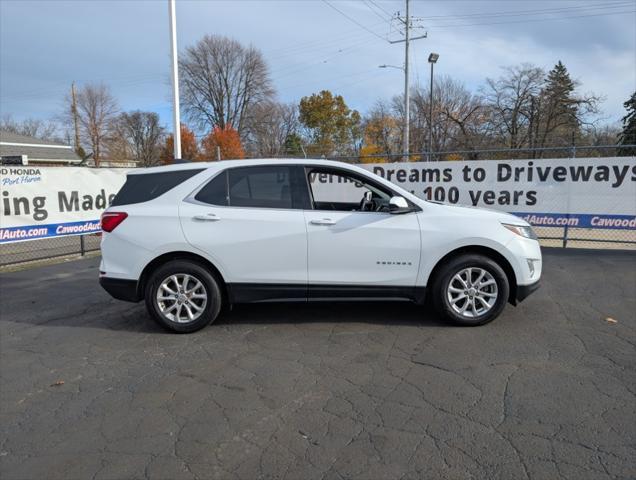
(110, 220)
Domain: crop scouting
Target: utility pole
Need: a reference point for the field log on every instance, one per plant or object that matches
(407, 107)
(74, 113)
(175, 80)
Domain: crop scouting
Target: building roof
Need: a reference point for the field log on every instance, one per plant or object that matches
(35, 149)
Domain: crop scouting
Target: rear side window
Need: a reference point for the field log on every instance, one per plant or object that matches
(260, 187)
(215, 191)
(147, 186)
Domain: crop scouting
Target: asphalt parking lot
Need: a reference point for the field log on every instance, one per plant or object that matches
(91, 388)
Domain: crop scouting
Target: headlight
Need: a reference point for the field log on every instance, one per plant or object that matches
(521, 230)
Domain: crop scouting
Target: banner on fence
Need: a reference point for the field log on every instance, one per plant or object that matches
(599, 193)
(595, 193)
(40, 202)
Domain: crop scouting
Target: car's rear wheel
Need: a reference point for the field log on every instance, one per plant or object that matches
(183, 296)
(470, 290)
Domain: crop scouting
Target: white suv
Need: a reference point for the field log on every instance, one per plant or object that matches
(193, 238)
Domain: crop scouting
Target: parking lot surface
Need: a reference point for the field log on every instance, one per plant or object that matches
(91, 388)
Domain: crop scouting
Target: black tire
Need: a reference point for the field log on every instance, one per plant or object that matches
(439, 293)
(210, 286)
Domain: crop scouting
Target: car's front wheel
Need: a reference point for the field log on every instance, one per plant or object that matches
(470, 290)
(182, 296)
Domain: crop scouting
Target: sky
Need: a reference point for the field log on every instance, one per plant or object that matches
(309, 45)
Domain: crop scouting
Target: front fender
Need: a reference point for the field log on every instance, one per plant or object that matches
(433, 254)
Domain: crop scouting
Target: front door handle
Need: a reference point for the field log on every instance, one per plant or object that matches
(210, 217)
(323, 221)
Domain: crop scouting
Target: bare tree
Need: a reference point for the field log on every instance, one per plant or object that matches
(137, 136)
(444, 130)
(461, 113)
(268, 126)
(458, 117)
(509, 100)
(96, 110)
(601, 135)
(31, 127)
(221, 80)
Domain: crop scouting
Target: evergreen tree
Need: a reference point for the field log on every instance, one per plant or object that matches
(559, 108)
(559, 89)
(293, 145)
(628, 135)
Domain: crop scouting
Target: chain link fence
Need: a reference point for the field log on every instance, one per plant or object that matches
(573, 237)
(32, 250)
(573, 151)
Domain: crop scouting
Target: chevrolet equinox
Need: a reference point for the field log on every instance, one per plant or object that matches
(189, 239)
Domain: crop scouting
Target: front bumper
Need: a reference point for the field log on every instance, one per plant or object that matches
(121, 289)
(524, 290)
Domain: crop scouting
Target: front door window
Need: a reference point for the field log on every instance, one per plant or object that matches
(339, 191)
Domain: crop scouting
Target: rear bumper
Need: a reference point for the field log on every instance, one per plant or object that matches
(120, 289)
(524, 290)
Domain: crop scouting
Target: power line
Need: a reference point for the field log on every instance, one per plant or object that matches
(370, 6)
(321, 41)
(355, 21)
(322, 46)
(531, 20)
(543, 11)
(136, 80)
(286, 72)
(326, 80)
(381, 8)
(128, 79)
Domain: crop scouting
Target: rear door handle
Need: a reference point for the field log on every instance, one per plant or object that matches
(323, 221)
(210, 217)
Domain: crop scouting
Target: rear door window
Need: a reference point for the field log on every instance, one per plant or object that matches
(261, 187)
(148, 186)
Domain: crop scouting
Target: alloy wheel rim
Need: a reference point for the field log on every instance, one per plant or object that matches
(181, 298)
(472, 292)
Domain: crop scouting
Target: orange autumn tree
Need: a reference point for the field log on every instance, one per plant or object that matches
(189, 147)
(368, 152)
(227, 139)
(382, 135)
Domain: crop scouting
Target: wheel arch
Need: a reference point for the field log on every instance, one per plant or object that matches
(182, 255)
(487, 252)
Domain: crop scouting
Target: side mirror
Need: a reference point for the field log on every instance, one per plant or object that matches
(398, 205)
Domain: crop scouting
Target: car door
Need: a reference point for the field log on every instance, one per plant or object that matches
(348, 246)
(248, 220)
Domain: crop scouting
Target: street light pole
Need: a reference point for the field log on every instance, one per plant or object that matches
(406, 85)
(175, 80)
(432, 58)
